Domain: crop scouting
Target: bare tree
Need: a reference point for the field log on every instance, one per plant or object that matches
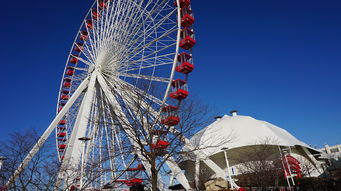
(38, 175)
(259, 165)
(160, 141)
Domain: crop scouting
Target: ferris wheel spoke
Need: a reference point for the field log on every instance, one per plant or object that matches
(136, 27)
(140, 76)
(131, 13)
(147, 66)
(141, 46)
(116, 107)
(129, 62)
(127, 86)
(111, 157)
(74, 147)
(84, 61)
(148, 57)
(150, 54)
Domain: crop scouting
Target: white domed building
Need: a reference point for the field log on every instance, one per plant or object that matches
(234, 135)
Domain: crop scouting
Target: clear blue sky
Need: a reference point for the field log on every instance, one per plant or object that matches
(274, 60)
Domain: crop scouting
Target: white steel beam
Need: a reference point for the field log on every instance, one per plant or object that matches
(74, 149)
(48, 131)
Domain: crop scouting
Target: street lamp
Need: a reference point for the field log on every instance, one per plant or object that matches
(2, 159)
(227, 166)
(83, 139)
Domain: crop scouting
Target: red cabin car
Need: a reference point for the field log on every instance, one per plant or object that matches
(179, 89)
(187, 39)
(183, 3)
(62, 122)
(78, 48)
(67, 82)
(102, 4)
(64, 97)
(89, 24)
(187, 18)
(95, 14)
(84, 35)
(73, 58)
(70, 71)
(169, 116)
(61, 134)
(138, 168)
(185, 63)
(160, 145)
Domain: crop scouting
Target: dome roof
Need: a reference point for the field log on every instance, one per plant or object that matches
(239, 131)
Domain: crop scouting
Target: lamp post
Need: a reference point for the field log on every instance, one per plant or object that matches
(84, 140)
(227, 166)
(2, 159)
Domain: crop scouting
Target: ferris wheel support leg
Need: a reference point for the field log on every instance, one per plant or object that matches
(74, 149)
(47, 132)
(177, 172)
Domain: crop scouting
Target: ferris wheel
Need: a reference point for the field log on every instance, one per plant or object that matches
(124, 50)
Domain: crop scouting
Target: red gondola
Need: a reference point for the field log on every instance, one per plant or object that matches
(62, 122)
(185, 63)
(183, 3)
(84, 35)
(179, 89)
(70, 71)
(187, 39)
(160, 145)
(138, 168)
(102, 5)
(95, 14)
(73, 59)
(130, 182)
(78, 47)
(64, 97)
(89, 24)
(187, 18)
(67, 82)
(169, 116)
(62, 146)
(61, 134)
